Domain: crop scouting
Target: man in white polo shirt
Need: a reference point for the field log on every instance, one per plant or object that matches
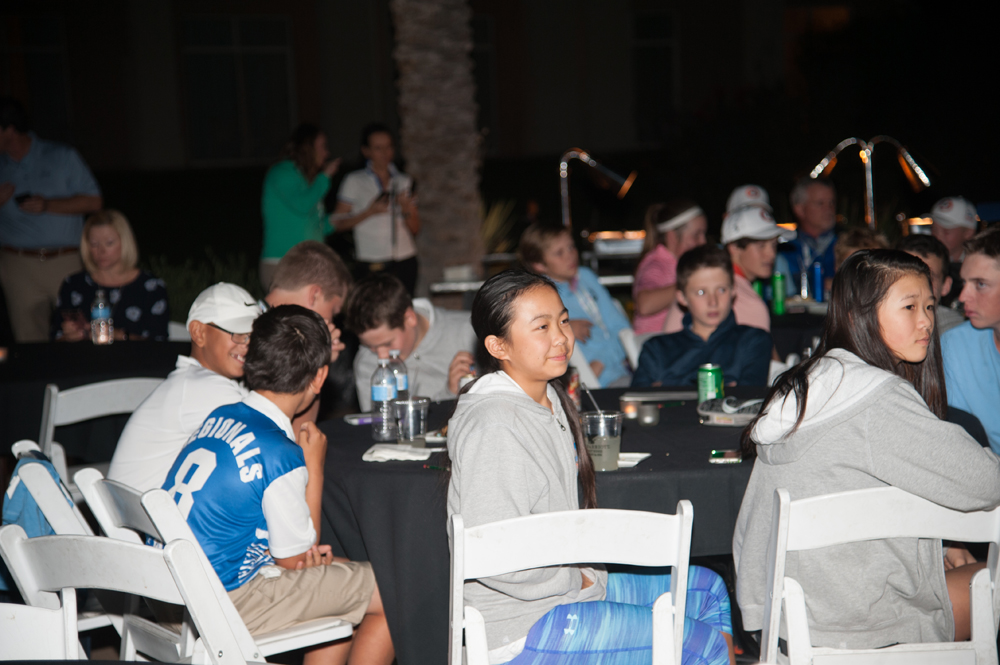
(377, 203)
(220, 320)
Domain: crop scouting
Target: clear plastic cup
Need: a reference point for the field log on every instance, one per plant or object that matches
(411, 420)
(602, 432)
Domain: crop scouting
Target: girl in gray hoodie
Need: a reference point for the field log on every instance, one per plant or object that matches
(516, 449)
(867, 411)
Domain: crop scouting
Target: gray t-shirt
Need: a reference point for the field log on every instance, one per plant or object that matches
(427, 366)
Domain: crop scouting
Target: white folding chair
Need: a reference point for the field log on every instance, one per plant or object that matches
(178, 332)
(629, 537)
(95, 400)
(874, 514)
(64, 518)
(579, 361)
(124, 513)
(629, 342)
(55, 566)
(34, 633)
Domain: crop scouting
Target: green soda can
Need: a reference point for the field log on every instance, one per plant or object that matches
(778, 293)
(758, 287)
(709, 382)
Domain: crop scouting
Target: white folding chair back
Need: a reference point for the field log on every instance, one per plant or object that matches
(124, 512)
(106, 398)
(628, 339)
(582, 365)
(874, 514)
(178, 332)
(628, 537)
(34, 633)
(55, 566)
(64, 518)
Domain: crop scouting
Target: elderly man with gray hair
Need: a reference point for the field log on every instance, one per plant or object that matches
(814, 203)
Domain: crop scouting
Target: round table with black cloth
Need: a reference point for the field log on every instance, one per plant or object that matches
(393, 513)
(29, 367)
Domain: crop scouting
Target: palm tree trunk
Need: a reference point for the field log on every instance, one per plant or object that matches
(438, 136)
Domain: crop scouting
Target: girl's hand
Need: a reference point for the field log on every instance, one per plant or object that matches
(581, 329)
(460, 366)
(331, 167)
(73, 331)
(957, 556)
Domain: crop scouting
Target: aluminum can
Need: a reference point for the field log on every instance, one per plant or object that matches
(710, 384)
(573, 387)
(817, 282)
(778, 293)
(758, 287)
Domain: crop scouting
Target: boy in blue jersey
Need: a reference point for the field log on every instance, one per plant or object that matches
(710, 334)
(596, 321)
(252, 497)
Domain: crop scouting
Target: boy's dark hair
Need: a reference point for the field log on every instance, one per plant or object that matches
(312, 262)
(985, 242)
(288, 345)
(380, 299)
(534, 241)
(373, 128)
(925, 245)
(12, 113)
(705, 256)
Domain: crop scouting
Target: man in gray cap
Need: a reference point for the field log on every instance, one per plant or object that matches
(955, 222)
(220, 320)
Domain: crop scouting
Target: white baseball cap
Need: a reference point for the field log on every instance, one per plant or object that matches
(748, 196)
(954, 212)
(227, 306)
(755, 223)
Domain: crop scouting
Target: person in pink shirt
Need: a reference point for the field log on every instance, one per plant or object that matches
(671, 229)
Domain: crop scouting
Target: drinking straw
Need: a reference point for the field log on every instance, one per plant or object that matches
(591, 396)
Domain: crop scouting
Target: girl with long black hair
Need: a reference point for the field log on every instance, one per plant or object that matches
(516, 449)
(866, 411)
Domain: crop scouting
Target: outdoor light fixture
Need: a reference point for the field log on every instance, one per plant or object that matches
(576, 153)
(914, 174)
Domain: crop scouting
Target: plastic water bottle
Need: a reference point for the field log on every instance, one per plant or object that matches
(399, 371)
(101, 326)
(383, 392)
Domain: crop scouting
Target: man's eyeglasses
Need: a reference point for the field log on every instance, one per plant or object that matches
(238, 338)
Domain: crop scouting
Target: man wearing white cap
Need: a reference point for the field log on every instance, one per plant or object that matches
(750, 235)
(220, 320)
(748, 196)
(955, 222)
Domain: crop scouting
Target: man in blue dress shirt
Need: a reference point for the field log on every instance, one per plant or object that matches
(45, 191)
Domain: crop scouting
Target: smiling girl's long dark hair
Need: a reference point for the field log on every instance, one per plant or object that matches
(492, 313)
(860, 286)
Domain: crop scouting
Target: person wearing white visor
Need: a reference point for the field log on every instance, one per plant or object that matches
(750, 235)
(671, 229)
(748, 196)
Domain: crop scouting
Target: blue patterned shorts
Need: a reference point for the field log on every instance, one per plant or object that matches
(619, 630)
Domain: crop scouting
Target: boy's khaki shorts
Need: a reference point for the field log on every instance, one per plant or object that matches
(277, 598)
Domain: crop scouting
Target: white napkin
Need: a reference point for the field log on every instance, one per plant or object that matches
(385, 452)
(628, 460)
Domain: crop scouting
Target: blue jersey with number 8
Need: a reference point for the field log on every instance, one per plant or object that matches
(219, 481)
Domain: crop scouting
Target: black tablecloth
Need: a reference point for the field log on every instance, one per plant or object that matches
(29, 367)
(393, 513)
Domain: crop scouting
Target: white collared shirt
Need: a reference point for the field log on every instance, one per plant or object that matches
(166, 420)
(373, 238)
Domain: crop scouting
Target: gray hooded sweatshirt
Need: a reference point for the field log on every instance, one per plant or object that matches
(512, 457)
(863, 427)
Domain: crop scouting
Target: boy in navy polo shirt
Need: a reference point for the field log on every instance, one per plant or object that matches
(251, 488)
(710, 334)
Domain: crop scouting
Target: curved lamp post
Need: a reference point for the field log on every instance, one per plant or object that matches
(916, 175)
(576, 153)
